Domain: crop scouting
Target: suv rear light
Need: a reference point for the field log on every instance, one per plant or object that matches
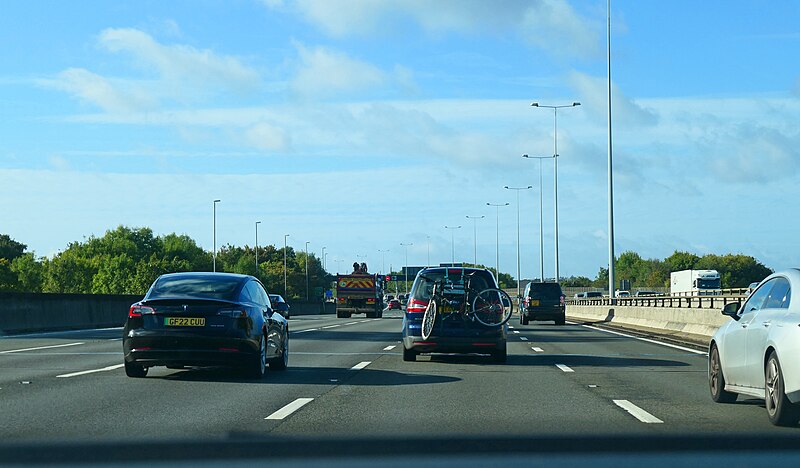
(416, 306)
(563, 298)
(139, 310)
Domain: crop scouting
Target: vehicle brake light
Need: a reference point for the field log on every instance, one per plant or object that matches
(230, 350)
(233, 313)
(139, 310)
(370, 300)
(416, 306)
(562, 299)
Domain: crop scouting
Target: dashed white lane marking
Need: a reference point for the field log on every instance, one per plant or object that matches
(40, 347)
(361, 365)
(390, 347)
(115, 339)
(523, 338)
(308, 330)
(290, 408)
(351, 323)
(511, 327)
(537, 349)
(564, 368)
(637, 412)
(516, 331)
(331, 326)
(670, 345)
(92, 371)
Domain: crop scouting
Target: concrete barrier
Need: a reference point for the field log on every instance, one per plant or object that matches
(694, 325)
(32, 312)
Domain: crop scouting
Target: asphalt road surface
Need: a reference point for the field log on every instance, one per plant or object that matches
(346, 378)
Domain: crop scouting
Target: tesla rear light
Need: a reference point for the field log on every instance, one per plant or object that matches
(138, 311)
(233, 313)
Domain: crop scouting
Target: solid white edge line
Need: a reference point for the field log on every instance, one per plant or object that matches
(290, 408)
(104, 369)
(40, 347)
(390, 347)
(361, 365)
(637, 412)
(669, 345)
(564, 368)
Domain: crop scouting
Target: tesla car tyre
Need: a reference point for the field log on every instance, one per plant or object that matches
(258, 364)
(780, 410)
(716, 380)
(135, 370)
(409, 355)
(281, 362)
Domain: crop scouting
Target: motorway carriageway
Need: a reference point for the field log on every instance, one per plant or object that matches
(346, 378)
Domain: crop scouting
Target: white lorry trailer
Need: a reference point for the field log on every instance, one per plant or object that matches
(694, 283)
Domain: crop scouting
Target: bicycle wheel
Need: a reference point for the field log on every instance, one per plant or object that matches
(428, 319)
(492, 307)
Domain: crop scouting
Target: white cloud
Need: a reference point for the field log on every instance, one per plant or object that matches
(553, 25)
(593, 93)
(324, 71)
(267, 137)
(116, 96)
(181, 64)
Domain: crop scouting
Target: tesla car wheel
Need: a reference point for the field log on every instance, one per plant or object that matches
(716, 380)
(281, 362)
(780, 410)
(258, 364)
(135, 370)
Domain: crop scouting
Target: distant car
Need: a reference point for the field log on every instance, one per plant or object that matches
(394, 304)
(279, 305)
(755, 354)
(543, 301)
(646, 293)
(403, 298)
(623, 293)
(579, 295)
(453, 335)
(205, 319)
(388, 298)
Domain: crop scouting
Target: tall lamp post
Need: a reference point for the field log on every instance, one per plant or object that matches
(541, 218)
(405, 269)
(475, 234)
(307, 242)
(214, 254)
(383, 263)
(555, 171)
(322, 257)
(497, 243)
(611, 290)
(519, 267)
(429, 250)
(285, 281)
(452, 243)
(257, 223)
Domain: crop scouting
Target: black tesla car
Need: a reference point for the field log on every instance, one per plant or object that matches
(205, 319)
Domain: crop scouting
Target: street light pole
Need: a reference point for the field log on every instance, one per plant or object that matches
(475, 234)
(405, 269)
(555, 171)
(322, 257)
(541, 217)
(214, 252)
(257, 223)
(452, 243)
(285, 281)
(611, 285)
(429, 250)
(307, 242)
(497, 243)
(519, 268)
(383, 263)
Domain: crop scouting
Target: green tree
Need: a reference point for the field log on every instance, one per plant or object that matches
(9, 248)
(29, 271)
(681, 261)
(8, 279)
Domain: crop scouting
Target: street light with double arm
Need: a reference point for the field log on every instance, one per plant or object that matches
(475, 234)
(541, 218)
(452, 243)
(497, 242)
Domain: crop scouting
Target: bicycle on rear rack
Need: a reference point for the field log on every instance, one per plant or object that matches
(489, 307)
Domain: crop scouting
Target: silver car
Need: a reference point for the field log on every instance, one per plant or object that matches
(756, 353)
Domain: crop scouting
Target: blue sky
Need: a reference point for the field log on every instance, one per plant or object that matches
(360, 125)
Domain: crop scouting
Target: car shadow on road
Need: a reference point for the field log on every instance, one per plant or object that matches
(346, 334)
(308, 376)
(586, 360)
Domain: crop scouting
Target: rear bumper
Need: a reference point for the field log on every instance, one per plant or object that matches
(475, 341)
(160, 350)
(545, 313)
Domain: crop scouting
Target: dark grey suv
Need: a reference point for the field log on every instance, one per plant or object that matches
(543, 301)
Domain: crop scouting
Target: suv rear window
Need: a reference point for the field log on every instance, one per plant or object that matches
(423, 286)
(217, 287)
(545, 290)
